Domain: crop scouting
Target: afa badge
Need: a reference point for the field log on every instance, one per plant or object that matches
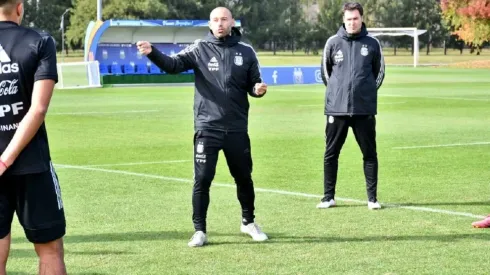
(238, 60)
(364, 50)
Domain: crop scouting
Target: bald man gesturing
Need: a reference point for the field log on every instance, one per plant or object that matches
(226, 72)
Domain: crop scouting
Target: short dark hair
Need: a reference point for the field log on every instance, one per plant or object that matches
(9, 2)
(350, 6)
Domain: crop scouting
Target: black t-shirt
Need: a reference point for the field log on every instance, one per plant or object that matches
(26, 56)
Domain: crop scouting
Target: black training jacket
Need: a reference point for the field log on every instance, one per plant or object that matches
(226, 71)
(353, 69)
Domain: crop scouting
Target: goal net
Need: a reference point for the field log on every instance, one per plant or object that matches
(78, 75)
(413, 32)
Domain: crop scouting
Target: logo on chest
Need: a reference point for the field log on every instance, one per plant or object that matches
(213, 65)
(339, 57)
(6, 65)
(238, 59)
(364, 50)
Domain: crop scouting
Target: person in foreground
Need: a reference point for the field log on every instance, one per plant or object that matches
(28, 182)
(226, 72)
(352, 68)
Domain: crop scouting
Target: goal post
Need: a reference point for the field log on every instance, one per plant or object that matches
(413, 32)
(78, 75)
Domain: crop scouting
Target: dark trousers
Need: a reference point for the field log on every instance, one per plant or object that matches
(236, 148)
(364, 128)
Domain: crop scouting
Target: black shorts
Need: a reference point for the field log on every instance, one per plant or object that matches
(36, 198)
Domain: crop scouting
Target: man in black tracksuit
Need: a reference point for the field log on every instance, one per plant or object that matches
(226, 72)
(353, 70)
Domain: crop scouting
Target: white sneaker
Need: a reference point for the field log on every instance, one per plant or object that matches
(254, 231)
(374, 205)
(326, 204)
(198, 239)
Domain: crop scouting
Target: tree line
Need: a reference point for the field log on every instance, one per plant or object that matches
(292, 25)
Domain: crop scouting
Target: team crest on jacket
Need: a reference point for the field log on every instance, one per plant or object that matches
(200, 148)
(364, 50)
(238, 60)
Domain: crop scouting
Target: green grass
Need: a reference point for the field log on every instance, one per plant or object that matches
(140, 224)
(403, 56)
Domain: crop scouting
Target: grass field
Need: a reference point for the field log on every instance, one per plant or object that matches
(300, 58)
(124, 160)
(403, 57)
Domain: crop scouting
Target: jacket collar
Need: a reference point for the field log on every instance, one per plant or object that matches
(230, 40)
(342, 32)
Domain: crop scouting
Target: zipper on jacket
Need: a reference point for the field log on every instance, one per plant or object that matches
(225, 70)
(352, 47)
(225, 79)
